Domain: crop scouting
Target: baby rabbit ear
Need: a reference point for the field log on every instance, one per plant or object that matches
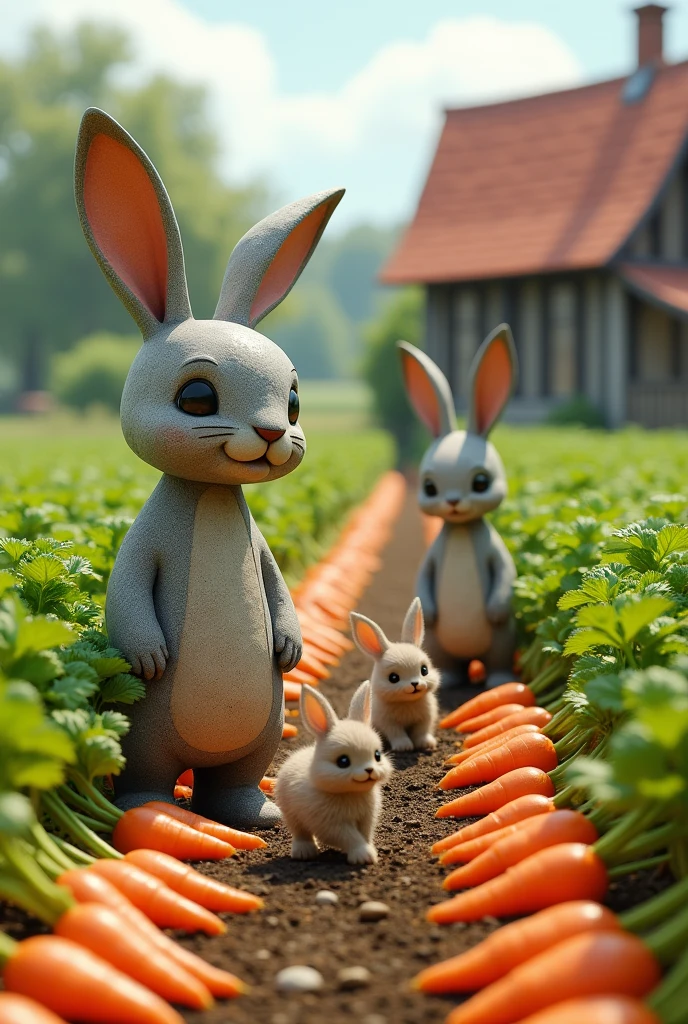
(428, 390)
(268, 260)
(129, 223)
(368, 636)
(492, 378)
(413, 630)
(359, 708)
(316, 711)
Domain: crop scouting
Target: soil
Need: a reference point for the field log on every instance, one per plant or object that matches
(293, 929)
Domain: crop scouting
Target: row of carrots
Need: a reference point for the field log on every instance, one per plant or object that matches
(532, 852)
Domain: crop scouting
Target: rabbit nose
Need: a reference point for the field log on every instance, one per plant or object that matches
(414, 685)
(269, 435)
(370, 770)
(453, 501)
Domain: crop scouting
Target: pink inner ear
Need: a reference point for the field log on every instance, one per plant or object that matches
(422, 394)
(492, 385)
(123, 212)
(288, 260)
(316, 714)
(417, 626)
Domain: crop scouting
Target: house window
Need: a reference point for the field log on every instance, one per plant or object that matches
(562, 340)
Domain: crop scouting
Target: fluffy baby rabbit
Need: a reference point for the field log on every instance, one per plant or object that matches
(329, 793)
(403, 681)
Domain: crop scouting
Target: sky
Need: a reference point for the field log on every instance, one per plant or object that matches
(309, 94)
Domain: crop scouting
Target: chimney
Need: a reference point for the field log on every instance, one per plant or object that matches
(650, 48)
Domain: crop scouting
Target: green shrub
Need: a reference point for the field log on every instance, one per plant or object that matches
(94, 371)
(577, 410)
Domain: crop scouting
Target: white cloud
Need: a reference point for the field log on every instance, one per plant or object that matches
(374, 135)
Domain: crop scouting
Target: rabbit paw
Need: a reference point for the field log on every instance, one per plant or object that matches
(303, 849)
(288, 652)
(149, 660)
(364, 854)
(497, 611)
(401, 743)
(426, 742)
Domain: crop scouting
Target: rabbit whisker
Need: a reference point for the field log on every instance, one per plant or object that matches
(223, 433)
(214, 426)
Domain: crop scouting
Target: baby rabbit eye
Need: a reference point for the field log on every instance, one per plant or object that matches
(424, 670)
(197, 398)
(343, 761)
(429, 488)
(378, 755)
(294, 406)
(481, 482)
(393, 677)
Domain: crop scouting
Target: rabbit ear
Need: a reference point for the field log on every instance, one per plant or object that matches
(267, 261)
(428, 389)
(368, 636)
(359, 708)
(492, 380)
(316, 711)
(129, 223)
(413, 630)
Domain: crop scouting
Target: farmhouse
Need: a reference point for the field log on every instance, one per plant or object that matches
(567, 216)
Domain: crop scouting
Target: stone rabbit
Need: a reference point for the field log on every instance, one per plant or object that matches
(465, 581)
(196, 601)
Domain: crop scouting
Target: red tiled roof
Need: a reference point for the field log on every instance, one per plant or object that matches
(554, 182)
(665, 285)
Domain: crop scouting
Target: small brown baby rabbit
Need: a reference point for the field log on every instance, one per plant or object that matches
(403, 681)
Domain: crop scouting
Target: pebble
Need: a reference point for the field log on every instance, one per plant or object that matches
(326, 898)
(263, 954)
(272, 921)
(373, 910)
(353, 977)
(299, 978)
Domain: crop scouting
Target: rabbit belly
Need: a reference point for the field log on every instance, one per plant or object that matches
(222, 692)
(462, 627)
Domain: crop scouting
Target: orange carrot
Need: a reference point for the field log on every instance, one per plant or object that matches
(512, 945)
(292, 691)
(508, 693)
(596, 1010)
(527, 716)
(310, 663)
(74, 983)
(162, 905)
(528, 838)
(477, 673)
(589, 964)
(207, 892)
(86, 887)
(495, 794)
(534, 751)
(489, 717)
(289, 731)
(462, 853)
(516, 810)
(298, 676)
(186, 778)
(232, 836)
(570, 871)
(183, 792)
(106, 933)
(333, 637)
(15, 1009)
(159, 827)
(267, 784)
(496, 741)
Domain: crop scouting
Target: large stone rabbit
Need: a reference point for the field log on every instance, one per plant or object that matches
(196, 601)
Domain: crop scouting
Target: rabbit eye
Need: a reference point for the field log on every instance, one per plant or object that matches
(481, 482)
(424, 670)
(429, 489)
(343, 761)
(378, 755)
(294, 406)
(393, 677)
(197, 398)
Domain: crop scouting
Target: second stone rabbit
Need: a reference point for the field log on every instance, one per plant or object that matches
(403, 681)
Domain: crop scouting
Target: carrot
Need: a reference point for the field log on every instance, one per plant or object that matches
(159, 827)
(496, 741)
(508, 693)
(489, 717)
(186, 778)
(86, 886)
(183, 792)
(462, 853)
(569, 871)
(333, 637)
(106, 933)
(598, 1010)
(76, 984)
(292, 691)
(310, 663)
(162, 905)
(477, 672)
(527, 716)
(516, 810)
(512, 945)
(534, 751)
(240, 840)
(207, 892)
(16, 1009)
(527, 838)
(588, 964)
(267, 784)
(289, 731)
(493, 796)
(298, 676)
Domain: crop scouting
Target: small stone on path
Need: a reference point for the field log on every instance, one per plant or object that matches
(373, 910)
(353, 977)
(326, 898)
(299, 978)
(263, 954)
